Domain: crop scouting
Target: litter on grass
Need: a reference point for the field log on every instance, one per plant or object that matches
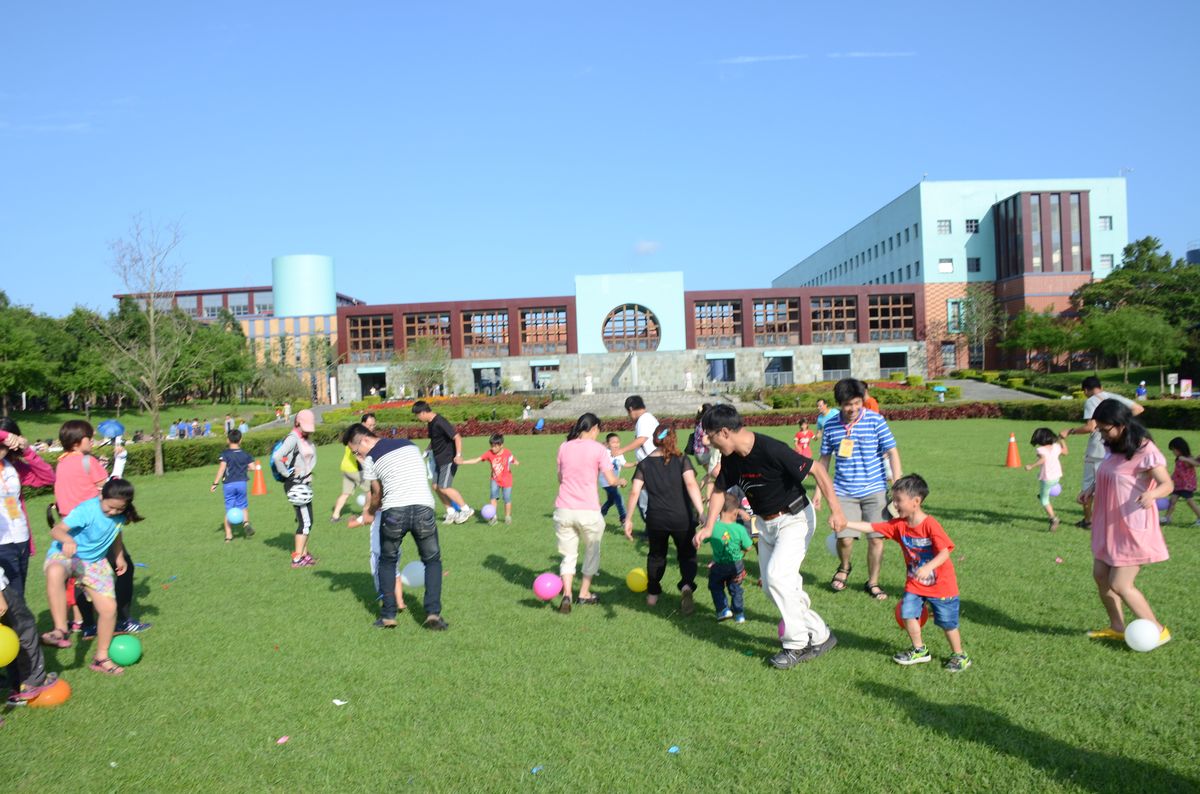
(1058, 560)
(139, 565)
(282, 740)
(536, 769)
(673, 749)
(337, 702)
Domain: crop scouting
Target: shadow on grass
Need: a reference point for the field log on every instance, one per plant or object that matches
(1091, 770)
(1035, 518)
(977, 612)
(285, 541)
(359, 583)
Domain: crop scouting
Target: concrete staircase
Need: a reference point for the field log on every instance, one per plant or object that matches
(659, 403)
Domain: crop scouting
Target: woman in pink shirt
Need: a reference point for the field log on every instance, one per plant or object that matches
(1126, 533)
(581, 458)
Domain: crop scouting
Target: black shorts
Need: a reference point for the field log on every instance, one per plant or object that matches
(1182, 494)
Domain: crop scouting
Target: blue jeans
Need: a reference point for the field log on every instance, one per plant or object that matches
(945, 610)
(14, 561)
(722, 576)
(398, 522)
(614, 498)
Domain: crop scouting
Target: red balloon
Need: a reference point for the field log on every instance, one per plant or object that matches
(924, 614)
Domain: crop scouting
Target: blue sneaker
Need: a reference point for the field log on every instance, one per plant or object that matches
(739, 618)
(725, 614)
(131, 626)
(87, 633)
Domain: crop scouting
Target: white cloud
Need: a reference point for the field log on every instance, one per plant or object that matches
(744, 59)
(858, 54)
(646, 247)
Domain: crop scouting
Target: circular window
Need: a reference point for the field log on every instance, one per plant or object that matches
(631, 327)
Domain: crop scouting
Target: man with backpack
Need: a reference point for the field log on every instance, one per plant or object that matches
(292, 463)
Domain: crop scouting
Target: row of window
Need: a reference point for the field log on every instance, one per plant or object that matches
(946, 226)
(239, 304)
(779, 370)
(485, 332)
(718, 324)
(866, 256)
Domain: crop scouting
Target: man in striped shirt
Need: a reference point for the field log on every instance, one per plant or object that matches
(396, 473)
(857, 439)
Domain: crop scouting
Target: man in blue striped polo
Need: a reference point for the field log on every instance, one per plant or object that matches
(857, 439)
(395, 471)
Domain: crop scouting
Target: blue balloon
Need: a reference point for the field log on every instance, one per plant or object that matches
(234, 515)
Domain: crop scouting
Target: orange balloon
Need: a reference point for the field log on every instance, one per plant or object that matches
(54, 696)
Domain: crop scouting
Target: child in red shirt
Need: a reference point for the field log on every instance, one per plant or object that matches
(502, 462)
(931, 580)
(803, 442)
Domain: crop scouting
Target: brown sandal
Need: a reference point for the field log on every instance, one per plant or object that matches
(56, 639)
(875, 591)
(106, 666)
(837, 584)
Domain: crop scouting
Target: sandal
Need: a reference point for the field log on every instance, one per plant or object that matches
(875, 591)
(591, 599)
(1054, 522)
(106, 666)
(837, 584)
(27, 692)
(56, 639)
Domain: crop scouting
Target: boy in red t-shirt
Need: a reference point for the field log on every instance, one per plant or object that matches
(931, 580)
(502, 462)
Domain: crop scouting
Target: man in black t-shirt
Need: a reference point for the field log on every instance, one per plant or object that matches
(445, 445)
(771, 474)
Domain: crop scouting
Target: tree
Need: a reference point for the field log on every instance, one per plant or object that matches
(1134, 334)
(981, 317)
(1030, 331)
(425, 363)
(148, 349)
(23, 366)
(281, 386)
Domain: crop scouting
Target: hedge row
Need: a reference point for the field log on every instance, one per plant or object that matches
(1164, 414)
(804, 398)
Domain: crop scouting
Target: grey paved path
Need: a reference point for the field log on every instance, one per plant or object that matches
(974, 390)
(666, 403)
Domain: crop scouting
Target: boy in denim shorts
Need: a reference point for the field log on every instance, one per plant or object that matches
(931, 581)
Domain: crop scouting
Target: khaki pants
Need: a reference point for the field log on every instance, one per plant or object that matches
(569, 527)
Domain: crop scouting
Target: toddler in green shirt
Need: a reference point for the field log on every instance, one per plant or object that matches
(730, 541)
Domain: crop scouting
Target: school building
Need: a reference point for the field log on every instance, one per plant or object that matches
(1030, 243)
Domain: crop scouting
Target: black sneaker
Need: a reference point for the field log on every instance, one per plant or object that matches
(813, 651)
(248, 530)
(131, 626)
(435, 623)
(787, 658)
(384, 623)
(564, 606)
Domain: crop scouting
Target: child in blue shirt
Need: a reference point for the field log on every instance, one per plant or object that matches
(232, 474)
(81, 543)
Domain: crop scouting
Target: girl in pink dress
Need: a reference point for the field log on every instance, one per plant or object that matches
(1184, 478)
(1125, 530)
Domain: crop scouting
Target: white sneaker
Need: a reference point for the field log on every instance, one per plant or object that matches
(451, 517)
(508, 520)
(464, 515)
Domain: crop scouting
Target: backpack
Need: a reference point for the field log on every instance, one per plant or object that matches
(274, 470)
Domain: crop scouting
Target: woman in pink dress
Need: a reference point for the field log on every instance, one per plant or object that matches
(1125, 530)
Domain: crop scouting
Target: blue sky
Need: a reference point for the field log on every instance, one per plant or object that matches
(467, 150)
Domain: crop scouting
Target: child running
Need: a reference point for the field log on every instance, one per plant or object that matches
(730, 542)
(81, 543)
(1183, 477)
(803, 440)
(931, 581)
(1049, 448)
(502, 462)
(618, 462)
(232, 473)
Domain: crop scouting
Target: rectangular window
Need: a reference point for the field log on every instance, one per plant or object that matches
(972, 226)
(427, 325)
(778, 371)
(907, 272)
(944, 226)
(239, 304)
(543, 376)
(718, 323)
(370, 337)
(1076, 236)
(721, 370)
(973, 264)
(212, 305)
(544, 330)
(916, 230)
(186, 303)
(835, 367)
(776, 321)
(890, 244)
(893, 365)
(1106, 261)
(917, 268)
(834, 319)
(906, 234)
(954, 316)
(1035, 231)
(1106, 223)
(1056, 252)
(891, 317)
(264, 303)
(485, 333)
(945, 265)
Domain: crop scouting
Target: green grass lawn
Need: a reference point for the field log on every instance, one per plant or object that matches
(245, 650)
(45, 424)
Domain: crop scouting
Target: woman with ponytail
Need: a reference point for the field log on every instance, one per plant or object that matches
(581, 458)
(673, 507)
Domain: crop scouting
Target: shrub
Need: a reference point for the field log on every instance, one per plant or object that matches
(1015, 383)
(914, 380)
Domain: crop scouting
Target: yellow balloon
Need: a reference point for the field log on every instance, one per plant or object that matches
(637, 580)
(9, 646)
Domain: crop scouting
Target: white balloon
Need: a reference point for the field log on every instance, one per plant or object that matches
(413, 574)
(1142, 635)
(831, 544)
(362, 500)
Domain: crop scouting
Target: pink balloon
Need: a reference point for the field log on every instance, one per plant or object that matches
(781, 628)
(547, 586)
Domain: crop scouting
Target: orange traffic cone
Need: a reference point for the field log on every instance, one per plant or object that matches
(1014, 457)
(259, 486)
